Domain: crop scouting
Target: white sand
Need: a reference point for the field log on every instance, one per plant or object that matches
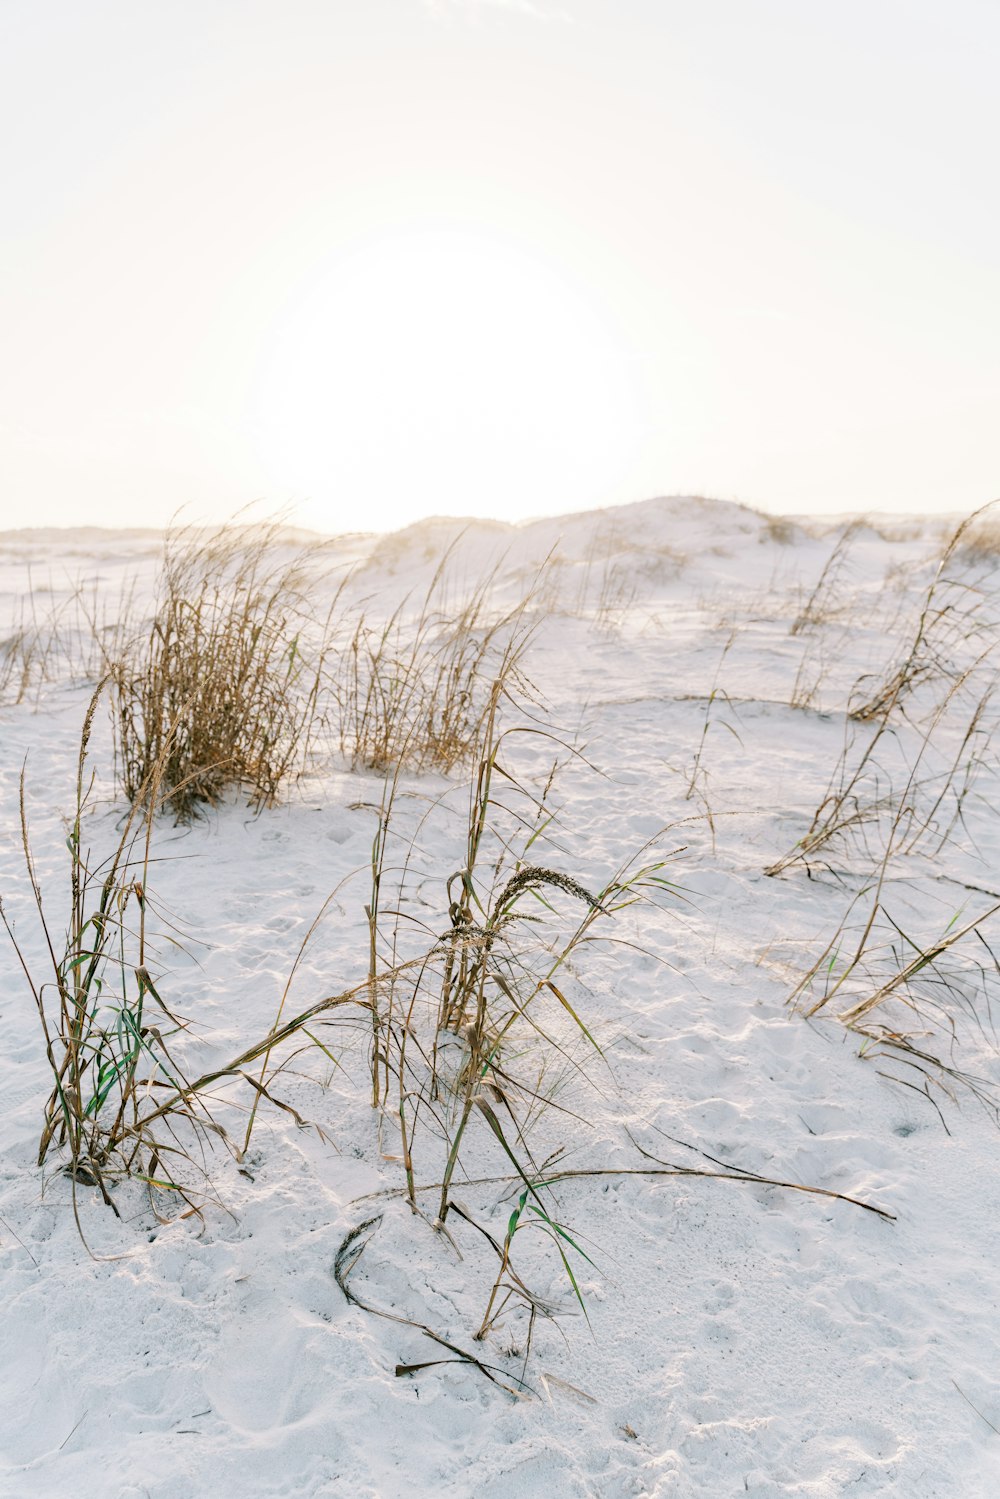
(743, 1339)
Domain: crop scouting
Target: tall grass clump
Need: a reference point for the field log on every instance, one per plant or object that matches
(224, 688)
(412, 688)
(479, 1041)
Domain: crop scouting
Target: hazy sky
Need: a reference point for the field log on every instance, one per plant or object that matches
(386, 258)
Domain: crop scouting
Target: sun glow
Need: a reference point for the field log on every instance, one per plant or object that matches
(442, 373)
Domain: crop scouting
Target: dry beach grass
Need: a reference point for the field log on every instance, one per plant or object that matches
(492, 991)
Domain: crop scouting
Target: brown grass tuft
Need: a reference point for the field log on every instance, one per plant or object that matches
(412, 689)
(223, 690)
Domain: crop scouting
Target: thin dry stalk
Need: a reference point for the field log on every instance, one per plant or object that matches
(821, 605)
(698, 775)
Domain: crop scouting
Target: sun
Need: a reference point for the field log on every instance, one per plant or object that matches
(441, 373)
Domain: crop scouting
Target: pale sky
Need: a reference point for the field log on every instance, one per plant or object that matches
(379, 259)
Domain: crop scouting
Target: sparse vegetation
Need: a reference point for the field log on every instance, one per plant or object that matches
(413, 688)
(904, 774)
(954, 632)
(778, 529)
(823, 603)
(901, 786)
(469, 989)
(908, 996)
(121, 1104)
(697, 774)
